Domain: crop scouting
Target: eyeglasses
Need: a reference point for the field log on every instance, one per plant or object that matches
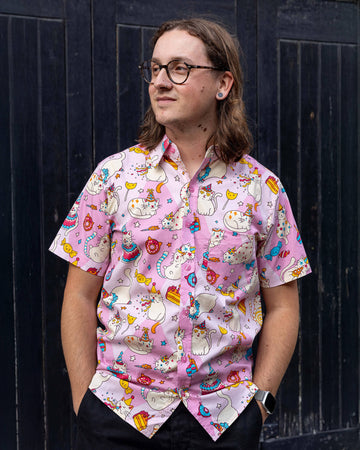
(177, 71)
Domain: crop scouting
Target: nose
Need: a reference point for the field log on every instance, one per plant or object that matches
(162, 80)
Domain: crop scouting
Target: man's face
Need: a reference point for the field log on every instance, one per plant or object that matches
(190, 105)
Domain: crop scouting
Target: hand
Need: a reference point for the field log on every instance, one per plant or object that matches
(264, 414)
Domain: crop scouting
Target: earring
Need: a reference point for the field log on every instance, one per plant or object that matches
(220, 95)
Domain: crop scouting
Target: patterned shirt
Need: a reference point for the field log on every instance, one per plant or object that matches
(183, 261)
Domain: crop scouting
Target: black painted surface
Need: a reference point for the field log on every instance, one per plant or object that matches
(71, 95)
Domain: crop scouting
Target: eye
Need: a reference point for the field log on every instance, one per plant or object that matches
(155, 69)
(178, 67)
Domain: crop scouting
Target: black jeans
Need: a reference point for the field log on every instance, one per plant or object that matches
(99, 429)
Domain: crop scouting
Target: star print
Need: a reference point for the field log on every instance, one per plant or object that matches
(132, 358)
(278, 268)
(219, 182)
(169, 244)
(137, 224)
(137, 328)
(174, 318)
(169, 200)
(140, 191)
(240, 203)
(270, 204)
(99, 227)
(218, 405)
(260, 222)
(79, 241)
(117, 175)
(177, 178)
(162, 382)
(163, 342)
(175, 236)
(207, 288)
(219, 362)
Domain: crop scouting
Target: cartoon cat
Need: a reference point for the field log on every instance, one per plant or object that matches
(242, 254)
(283, 227)
(141, 208)
(203, 303)
(95, 184)
(159, 400)
(140, 345)
(120, 294)
(100, 252)
(207, 200)
(98, 379)
(131, 252)
(122, 407)
(239, 221)
(294, 269)
(154, 306)
(113, 165)
(174, 220)
(169, 363)
(181, 255)
(216, 169)
(254, 188)
(228, 414)
(201, 339)
(217, 235)
(114, 325)
(112, 202)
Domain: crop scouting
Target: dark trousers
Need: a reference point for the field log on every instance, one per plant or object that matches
(99, 429)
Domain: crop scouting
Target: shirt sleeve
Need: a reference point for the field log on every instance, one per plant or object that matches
(281, 255)
(84, 238)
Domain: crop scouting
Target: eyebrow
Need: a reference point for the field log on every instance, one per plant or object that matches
(174, 58)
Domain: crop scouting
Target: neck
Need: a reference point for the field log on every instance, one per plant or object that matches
(192, 146)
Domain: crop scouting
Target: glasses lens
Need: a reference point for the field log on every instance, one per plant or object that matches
(147, 71)
(178, 71)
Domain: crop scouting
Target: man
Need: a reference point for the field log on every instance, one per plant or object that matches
(180, 234)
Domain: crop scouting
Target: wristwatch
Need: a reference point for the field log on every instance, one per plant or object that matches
(267, 399)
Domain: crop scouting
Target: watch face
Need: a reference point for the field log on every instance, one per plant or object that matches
(270, 402)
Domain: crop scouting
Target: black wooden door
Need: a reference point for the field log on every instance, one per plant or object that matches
(71, 95)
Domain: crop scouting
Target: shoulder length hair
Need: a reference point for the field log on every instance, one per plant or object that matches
(232, 138)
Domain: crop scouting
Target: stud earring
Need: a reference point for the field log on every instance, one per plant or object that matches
(220, 95)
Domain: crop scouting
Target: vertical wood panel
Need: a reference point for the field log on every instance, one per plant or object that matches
(309, 120)
(349, 242)
(129, 85)
(8, 382)
(54, 184)
(329, 263)
(26, 230)
(289, 163)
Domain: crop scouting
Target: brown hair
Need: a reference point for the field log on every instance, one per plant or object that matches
(232, 137)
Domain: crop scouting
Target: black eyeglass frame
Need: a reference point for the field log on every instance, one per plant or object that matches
(165, 66)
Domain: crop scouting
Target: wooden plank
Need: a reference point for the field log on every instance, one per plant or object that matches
(8, 372)
(325, 21)
(329, 262)
(309, 225)
(289, 162)
(267, 86)
(27, 251)
(129, 85)
(80, 152)
(332, 440)
(154, 13)
(349, 237)
(38, 8)
(54, 182)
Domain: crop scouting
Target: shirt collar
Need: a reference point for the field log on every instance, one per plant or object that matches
(166, 149)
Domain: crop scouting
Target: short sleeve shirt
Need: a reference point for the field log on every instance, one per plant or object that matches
(182, 261)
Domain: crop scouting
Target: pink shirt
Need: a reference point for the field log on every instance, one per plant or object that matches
(183, 261)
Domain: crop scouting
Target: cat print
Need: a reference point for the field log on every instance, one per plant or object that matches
(112, 165)
(207, 200)
(131, 252)
(122, 407)
(201, 339)
(217, 235)
(254, 188)
(294, 269)
(238, 221)
(144, 208)
(97, 253)
(159, 400)
(242, 254)
(169, 363)
(72, 219)
(216, 169)
(154, 307)
(228, 414)
(141, 345)
(114, 325)
(98, 379)
(120, 294)
(152, 170)
(111, 204)
(283, 227)
(174, 220)
(181, 255)
(95, 184)
(203, 303)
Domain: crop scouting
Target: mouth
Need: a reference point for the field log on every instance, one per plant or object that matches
(164, 100)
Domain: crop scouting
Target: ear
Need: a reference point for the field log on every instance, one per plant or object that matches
(225, 82)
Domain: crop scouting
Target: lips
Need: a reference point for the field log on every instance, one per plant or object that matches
(164, 99)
